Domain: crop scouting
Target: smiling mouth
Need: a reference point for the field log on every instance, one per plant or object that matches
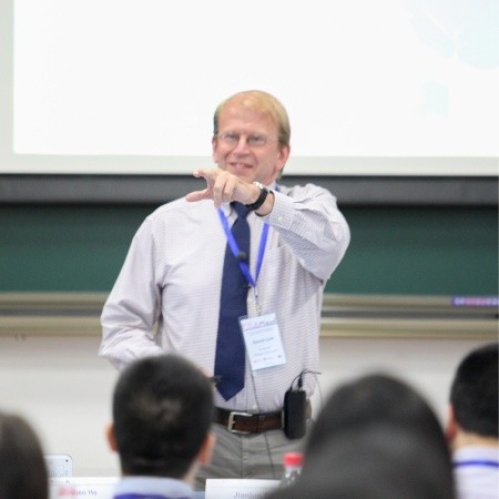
(240, 166)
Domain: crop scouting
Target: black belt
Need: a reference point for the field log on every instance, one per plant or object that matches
(246, 423)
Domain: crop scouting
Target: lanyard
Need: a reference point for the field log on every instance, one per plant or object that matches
(146, 496)
(477, 462)
(243, 265)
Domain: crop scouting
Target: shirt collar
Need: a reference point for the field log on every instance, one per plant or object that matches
(170, 487)
(474, 452)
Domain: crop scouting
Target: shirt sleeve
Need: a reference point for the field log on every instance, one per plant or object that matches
(132, 308)
(308, 219)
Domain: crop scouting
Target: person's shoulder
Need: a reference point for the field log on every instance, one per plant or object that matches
(177, 216)
(180, 207)
(303, 191)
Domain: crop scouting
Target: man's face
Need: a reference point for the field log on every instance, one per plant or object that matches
(247, 145)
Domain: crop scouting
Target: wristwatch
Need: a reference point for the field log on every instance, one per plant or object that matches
(261, 198)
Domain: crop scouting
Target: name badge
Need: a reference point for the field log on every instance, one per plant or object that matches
(263, 341)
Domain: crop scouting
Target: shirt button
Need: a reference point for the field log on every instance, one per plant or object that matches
(279, 218)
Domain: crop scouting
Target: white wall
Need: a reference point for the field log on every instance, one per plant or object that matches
(65, 390)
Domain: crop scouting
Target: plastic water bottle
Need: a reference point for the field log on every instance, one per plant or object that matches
(293, 462)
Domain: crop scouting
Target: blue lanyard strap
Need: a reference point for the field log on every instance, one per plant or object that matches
(477, 462)
(243, 265)
(146, 496)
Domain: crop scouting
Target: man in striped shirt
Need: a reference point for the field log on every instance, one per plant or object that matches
(169, 295)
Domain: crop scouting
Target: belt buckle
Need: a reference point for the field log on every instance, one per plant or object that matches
(231, 422)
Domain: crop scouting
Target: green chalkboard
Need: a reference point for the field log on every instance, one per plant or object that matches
(394, 250)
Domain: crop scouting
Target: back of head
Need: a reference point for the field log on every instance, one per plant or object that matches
(262, 102)
(374, 463)
(23, 472)
(474, 392)
(372, 400)
(162, 412)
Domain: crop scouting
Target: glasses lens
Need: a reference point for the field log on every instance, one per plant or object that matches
(230, 138)
(253, 140)
(256, 140)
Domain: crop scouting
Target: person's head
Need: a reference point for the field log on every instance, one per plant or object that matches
(374, 462)
(23, 471)
(474, 394)
(251, 135)
(376, 399)
(162, 414)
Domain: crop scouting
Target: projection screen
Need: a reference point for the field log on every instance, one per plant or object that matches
(393, 87)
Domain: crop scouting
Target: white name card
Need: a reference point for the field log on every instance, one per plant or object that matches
(82, 487)
(239, 488)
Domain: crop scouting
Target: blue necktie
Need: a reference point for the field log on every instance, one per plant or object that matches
(230, 353)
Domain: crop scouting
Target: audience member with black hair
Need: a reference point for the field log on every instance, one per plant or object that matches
(472, 426)
(23, 471)
(162, 414)
(373, 399)
(375, 438)
(374, 462)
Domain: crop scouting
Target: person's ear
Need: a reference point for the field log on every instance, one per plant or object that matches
(282, 158)
(214, 143)
(110, 437)
(206, 451)
(451, 426)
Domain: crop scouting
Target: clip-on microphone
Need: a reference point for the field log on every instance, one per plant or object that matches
(242, 256)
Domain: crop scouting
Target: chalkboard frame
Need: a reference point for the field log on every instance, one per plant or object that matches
(353, 190)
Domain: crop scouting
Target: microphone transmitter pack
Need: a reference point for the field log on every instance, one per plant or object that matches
(295, 401)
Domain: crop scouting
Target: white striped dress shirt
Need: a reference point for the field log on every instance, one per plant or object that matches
(172, 277)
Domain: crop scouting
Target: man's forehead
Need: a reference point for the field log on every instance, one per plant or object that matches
(238, 110)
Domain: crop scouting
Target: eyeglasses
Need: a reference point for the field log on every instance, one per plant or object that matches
(252, 140)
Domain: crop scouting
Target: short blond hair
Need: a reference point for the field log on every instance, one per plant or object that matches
(263, 102)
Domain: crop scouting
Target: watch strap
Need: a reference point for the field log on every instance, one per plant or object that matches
(264, 192)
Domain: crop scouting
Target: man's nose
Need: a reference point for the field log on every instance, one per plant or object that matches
(242, 145)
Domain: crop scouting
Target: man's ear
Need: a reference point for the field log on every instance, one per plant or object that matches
(110, 437)
(214, 143)
(451, 426)
(282, 158)
(206, 451)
